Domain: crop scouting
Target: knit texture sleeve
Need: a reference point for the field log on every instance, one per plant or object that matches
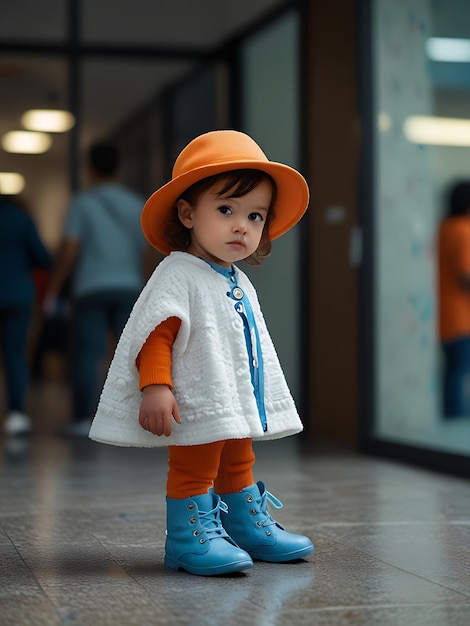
(154, 359)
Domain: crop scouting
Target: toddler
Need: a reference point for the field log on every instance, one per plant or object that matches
(195, 368)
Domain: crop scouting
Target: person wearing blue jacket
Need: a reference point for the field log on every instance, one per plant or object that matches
(21, 252)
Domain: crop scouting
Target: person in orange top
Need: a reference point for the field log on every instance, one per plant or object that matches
(454, 301)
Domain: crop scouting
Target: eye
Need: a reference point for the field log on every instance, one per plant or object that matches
(255, 217)
(225, 210)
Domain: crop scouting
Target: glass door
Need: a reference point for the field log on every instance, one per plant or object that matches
(419, 154)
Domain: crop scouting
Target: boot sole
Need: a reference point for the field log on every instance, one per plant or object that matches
(228, 568)
(281, 558)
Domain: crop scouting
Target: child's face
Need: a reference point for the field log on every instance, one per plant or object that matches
(224, 229)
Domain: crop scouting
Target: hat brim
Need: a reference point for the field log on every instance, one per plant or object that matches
(291, 199)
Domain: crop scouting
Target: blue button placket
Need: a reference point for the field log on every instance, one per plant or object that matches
(243, 307)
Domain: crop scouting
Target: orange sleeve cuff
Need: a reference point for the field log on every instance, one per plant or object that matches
(154, 358)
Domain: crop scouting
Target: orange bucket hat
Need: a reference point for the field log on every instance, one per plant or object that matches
(213, 153)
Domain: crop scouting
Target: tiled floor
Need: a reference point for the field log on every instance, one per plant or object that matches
(82, 533)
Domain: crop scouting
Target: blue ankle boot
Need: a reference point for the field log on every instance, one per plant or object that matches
(250, 525)
(196, 540)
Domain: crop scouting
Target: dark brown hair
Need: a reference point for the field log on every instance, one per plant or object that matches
(104, 158)
(239, 183)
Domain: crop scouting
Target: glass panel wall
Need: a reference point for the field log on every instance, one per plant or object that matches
(270, 114)
(152, 138)
(421, 148)
(196, 107)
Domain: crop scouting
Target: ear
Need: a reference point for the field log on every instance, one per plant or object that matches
(185, 213)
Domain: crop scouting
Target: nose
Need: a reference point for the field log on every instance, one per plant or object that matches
(240, 227)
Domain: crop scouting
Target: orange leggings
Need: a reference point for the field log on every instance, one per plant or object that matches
(224, 465)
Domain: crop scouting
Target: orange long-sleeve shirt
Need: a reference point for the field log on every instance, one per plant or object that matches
(454, 263)
(154, 358)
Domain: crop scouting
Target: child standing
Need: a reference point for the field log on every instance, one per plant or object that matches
(195, 362)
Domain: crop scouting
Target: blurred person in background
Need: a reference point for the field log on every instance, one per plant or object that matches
(21, 253)
(454, 301)
(103, 252)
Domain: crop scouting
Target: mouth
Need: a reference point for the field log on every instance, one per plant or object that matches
(238, 244)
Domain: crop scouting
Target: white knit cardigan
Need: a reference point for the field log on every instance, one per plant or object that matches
(210, 368)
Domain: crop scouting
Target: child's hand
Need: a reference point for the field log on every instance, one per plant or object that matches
(157, 408)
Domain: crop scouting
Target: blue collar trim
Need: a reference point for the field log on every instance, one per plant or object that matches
(229, 273)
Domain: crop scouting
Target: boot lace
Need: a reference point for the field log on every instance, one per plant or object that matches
(210, 522)
(263, 509)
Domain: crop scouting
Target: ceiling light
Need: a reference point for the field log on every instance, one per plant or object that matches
(26, 142)
(448, 49)
(48, 120)
(384, 122)
(439, 131)
(11, 183)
